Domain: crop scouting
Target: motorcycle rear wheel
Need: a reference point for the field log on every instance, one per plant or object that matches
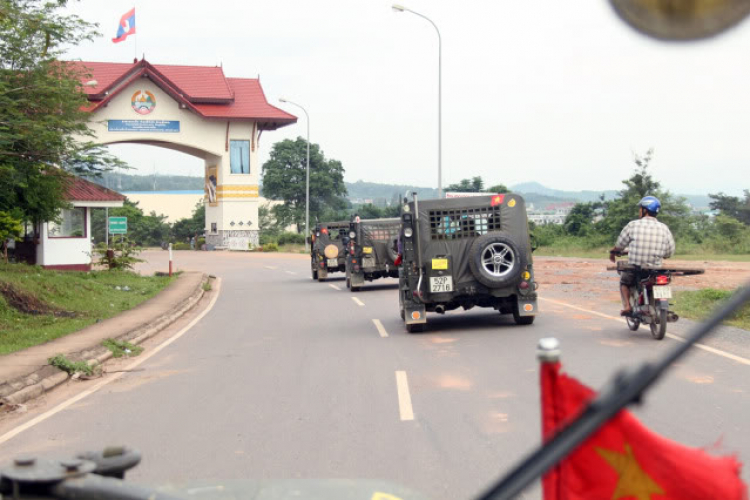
(659, 329)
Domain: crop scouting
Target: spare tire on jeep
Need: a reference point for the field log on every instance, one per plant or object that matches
(496, 260)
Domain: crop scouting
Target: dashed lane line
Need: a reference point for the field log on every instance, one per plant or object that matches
(141, 359)
(271, 267)
(335, 287)
(290, 272)
(380, 327)
(358, 302)
(405, 410)
(672, 336)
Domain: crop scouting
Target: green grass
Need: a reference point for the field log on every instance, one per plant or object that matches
(120, 348)
(701, 303)
(88, 296)
(292, 248)
(71, 367)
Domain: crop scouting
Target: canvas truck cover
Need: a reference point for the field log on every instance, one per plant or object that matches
(332, 238)
(450, 227)
(379, 234)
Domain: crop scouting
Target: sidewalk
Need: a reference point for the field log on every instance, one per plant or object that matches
(24, 369)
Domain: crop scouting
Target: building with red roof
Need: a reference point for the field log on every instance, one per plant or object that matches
(196, 110)
(66, 244)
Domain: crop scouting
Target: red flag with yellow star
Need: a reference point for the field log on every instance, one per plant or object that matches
(624, 459)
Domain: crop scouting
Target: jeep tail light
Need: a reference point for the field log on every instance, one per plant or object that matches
(356, 267)
(662, 280)
(524, 285)
(322, 264)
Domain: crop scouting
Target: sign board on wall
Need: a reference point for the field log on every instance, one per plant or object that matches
(160, 126)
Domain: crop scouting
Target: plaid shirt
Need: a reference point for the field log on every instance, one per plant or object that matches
(647, 241)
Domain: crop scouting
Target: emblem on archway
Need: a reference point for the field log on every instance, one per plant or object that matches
(143, 102)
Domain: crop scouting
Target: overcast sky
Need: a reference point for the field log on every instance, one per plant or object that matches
(562, 93)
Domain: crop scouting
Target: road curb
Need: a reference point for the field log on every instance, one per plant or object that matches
(45, 379)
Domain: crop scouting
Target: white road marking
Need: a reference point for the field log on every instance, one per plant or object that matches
(404, 398)
(290, 272)
(141, 359)
(381, 329)
(270, 267)
(335, 287)
(357, 301)
(672, 336)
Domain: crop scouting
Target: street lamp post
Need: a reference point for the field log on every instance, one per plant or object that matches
(401, 8)
(307, 175)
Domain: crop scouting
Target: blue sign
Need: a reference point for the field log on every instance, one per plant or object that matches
(161, 126)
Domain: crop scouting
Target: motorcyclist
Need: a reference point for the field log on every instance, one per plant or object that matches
(647, 242)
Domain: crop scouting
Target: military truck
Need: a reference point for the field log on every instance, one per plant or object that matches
(372, 251)
(327, 244)
(466, 252)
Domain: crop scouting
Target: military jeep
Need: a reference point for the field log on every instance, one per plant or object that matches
(372, 251)
(466, 252)
(327, 244)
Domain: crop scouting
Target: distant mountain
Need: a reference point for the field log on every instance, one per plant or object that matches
(526, 188)
(362, 190)
(128, 182)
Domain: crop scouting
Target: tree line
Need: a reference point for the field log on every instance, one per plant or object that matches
(595, 225)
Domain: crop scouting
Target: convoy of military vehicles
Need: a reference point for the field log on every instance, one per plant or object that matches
(446, 253)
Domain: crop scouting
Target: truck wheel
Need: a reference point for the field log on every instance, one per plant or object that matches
(495, 260)
(348, 282)
(522, 320)
(416, 327)
(315, 274)
(403, 314)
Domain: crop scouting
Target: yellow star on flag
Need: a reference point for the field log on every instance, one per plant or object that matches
(632, 482)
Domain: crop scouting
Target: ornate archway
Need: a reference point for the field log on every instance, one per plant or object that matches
(199, 111)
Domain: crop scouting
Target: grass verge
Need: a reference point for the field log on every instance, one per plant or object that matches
(71, 367)
(57, 303)
(700, 304)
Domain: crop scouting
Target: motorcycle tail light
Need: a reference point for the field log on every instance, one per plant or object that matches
(662, 280)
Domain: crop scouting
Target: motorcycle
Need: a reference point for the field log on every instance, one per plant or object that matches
(649, 297)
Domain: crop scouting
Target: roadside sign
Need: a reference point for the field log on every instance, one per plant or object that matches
(118, 225)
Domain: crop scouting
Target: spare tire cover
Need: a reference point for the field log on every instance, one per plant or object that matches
(331, 252)
(496, 260)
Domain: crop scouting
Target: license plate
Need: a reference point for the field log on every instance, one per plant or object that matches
(367, 250)
(441, 284)
(662, 292)
(333, 263)
(439, 264)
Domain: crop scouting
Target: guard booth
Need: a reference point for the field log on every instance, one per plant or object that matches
(65, 244)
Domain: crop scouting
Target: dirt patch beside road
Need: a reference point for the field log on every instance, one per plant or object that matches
(589, 277)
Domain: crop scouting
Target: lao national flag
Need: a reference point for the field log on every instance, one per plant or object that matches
(126, 27)
(624, 459)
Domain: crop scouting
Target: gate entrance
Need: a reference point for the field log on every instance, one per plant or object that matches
(195, 110)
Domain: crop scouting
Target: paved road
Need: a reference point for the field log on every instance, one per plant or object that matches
(290, 378)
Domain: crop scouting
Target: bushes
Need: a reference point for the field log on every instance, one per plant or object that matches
(285, 238)
(270, 247)
(291, 238)
(181, 246)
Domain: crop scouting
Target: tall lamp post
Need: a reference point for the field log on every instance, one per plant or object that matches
(401, 8)
(307, 175)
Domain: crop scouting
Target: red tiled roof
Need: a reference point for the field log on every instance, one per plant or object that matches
(78, 189)
(202, 89)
